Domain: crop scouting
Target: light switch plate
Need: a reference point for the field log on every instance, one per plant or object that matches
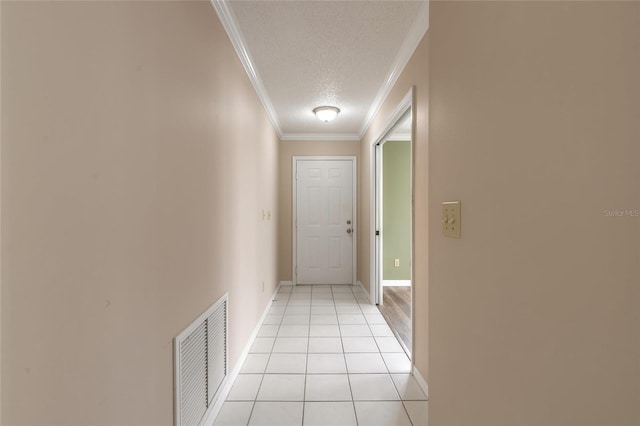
(451, 219)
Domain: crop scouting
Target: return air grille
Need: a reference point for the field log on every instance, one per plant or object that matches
(200, 364)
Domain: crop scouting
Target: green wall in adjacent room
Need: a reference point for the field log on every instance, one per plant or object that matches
(396, 209)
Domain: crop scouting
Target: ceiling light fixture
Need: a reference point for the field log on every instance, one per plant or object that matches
(326, 113)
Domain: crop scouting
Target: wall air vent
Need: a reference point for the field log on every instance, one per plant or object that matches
(200, 364)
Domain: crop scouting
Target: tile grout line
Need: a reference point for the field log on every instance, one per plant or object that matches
(353, 402)
(402, 401)
(306, 362)
(265, 367)
(407, 412)
(334, 307)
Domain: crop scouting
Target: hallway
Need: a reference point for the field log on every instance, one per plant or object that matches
(324, 356)
(147, 172)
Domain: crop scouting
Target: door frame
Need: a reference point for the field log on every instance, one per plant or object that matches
(375, 286)
(294, 211)
(379, 202)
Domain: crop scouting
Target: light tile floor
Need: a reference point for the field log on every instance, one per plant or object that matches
(324, 356)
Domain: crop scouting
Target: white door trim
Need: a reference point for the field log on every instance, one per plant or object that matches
(405, 105)
(375, 288)
(294, 213)
(378, 242)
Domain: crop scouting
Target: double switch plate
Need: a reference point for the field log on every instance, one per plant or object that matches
(451, 219)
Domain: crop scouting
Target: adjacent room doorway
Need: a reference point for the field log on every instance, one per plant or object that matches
(392, 217)
(324, 213)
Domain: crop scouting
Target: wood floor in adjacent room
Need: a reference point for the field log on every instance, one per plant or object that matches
(396, 309)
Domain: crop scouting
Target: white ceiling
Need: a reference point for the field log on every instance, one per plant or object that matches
(302, 54)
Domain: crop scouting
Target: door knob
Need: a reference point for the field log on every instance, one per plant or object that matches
(349, 231)
(349, 222)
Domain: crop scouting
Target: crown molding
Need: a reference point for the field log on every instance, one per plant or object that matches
(409, 45)
(237, 40)
(320, 137)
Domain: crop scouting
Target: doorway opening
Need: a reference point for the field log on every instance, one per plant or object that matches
(393, 223)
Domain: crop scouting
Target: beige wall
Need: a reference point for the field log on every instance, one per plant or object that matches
(534, 112)
(288, 149)
(136, 160)
(415, 74)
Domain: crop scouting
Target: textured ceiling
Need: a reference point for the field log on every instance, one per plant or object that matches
(312, 53)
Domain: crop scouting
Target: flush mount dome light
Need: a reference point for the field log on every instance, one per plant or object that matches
(326, 113)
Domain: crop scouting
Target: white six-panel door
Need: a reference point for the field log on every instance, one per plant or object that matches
(324, 222)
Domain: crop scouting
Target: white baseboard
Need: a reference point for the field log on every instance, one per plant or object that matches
(362, 287)
(396, 283)
(215, 408)
(286, 282)
(369, 294)
(421, 381)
